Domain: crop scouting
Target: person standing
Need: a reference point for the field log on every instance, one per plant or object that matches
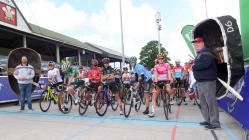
(24, 73)
(205, 73)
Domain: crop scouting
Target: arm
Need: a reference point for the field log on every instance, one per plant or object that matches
(16, 74)
(169, 73)
(31, 74)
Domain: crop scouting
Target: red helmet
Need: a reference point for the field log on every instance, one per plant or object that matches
(80, 67)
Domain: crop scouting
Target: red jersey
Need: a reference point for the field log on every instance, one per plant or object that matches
(178, 71)
(94, 75)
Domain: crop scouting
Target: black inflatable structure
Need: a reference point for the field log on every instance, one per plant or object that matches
(14, 58)
(223, 37)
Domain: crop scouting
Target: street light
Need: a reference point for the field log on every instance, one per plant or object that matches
(159, 27)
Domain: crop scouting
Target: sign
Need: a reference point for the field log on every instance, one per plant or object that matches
(8, 14)
(187, 34)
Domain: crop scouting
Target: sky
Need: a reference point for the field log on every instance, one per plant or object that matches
(98, 21)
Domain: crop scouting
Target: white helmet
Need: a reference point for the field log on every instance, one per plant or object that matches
(178, 61)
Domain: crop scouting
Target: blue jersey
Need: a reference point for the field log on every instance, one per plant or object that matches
(139, 69)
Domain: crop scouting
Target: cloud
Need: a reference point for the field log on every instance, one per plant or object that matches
(45, 13)
(138, 26)
(215, 8)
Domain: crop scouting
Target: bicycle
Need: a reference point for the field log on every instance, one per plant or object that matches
(131, 98)
(48, 95)
(165, 97)
(87, 98)
(178, 94)
(104, 100)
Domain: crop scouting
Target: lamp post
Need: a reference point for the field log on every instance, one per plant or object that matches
(122, 36)
(159, 27)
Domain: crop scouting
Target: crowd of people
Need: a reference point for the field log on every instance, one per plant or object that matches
(165, 75)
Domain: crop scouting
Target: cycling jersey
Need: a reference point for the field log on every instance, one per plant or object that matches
(71, 72)
(55, 75)
(126, 78)
(94, 75)
(108, 71)
(178, 71)
(140, 70)
(161, 72)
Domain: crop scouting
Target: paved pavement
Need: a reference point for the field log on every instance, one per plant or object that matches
(53, 125)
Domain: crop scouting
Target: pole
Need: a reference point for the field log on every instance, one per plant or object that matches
(206, 8)
(159, 45)
(122, 36)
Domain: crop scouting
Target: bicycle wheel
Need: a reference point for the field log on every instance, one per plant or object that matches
(165, 105)
(45, 101)
(178, 98)
(68, 103)
(138, 104)
(114, 103)
(158, 101)
(100, 104)
(83, 104)
(127, 104)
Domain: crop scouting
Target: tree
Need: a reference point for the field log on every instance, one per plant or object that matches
(149, 53)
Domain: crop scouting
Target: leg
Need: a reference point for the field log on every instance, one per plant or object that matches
(28, 95)
(212, 103)
(203, 102)
(22, 96)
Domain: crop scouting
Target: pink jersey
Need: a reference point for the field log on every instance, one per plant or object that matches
(161, 71)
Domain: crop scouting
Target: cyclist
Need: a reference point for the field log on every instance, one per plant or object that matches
(142, 75)
(162, 76)
(54, 77)
(108, 78)
(126, 76)
(178, 74)
(71, 80)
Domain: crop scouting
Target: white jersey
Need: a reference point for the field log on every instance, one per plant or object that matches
(55, 73)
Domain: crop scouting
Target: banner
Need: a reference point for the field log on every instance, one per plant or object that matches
(244, 21)
(7, 13)
(188, 36)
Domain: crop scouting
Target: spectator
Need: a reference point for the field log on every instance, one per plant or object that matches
(205, 73)
(24, 73)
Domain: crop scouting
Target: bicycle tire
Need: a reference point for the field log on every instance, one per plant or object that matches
(178, 98)
(165, 105)
(68, 101)
(83, 104)
(100, 101)
(138, 105)
(158, 101)
(127, 104)
(44, 95)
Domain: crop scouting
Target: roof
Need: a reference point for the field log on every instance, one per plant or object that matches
(61, 38)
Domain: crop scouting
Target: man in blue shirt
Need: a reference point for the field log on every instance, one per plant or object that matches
(142, 75)
(205, 73)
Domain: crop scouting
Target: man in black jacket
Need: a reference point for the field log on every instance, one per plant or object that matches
(205, 73)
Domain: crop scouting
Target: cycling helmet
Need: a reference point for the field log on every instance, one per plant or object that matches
(94, 62)
(133, 59)
(125, 68)
(160, 56)
(178, 61)
(80, 67)
(65, 67)
(51, 63)
(105, 60)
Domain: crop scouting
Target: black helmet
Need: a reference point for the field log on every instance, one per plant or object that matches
(105, 60)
